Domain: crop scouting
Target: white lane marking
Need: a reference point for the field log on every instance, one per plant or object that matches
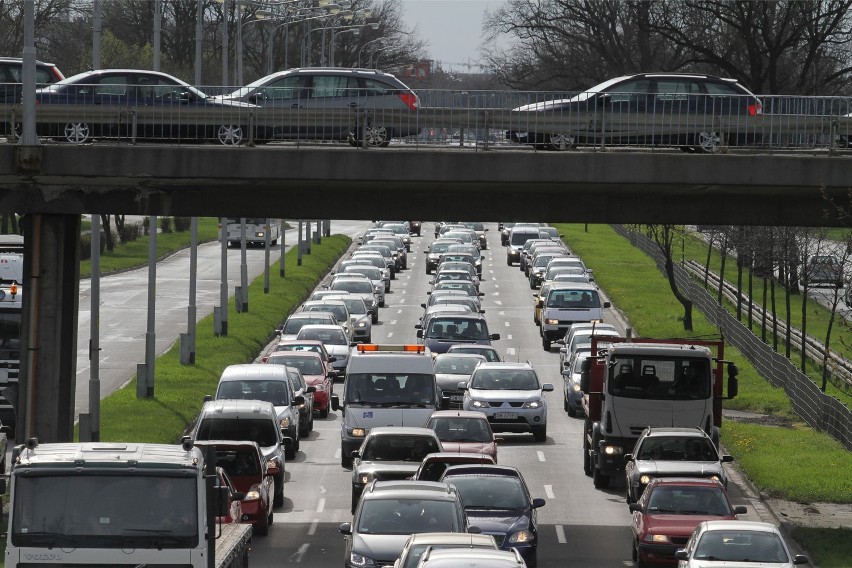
(497, 294)
(337, 454)
(491, 271)
(313, 528)
(540, 456)
(297, 556)
(560, 534)
(393, 322)
(498, 302)
(321, 504)
(509, 336)
(399, 311)
(402, 300)
(496, 285)
(507, 324)
(390, 334)
(501, 313)
(548, 490)
(509, 351)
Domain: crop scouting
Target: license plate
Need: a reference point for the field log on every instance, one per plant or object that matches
(456, 398)
(505, 415)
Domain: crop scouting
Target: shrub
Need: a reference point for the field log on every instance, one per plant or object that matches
(166, 224)
(182, 224)
(130, 232)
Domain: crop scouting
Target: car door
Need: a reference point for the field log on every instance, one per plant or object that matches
(339, 96)
(621, 110)
(157, 100)
(105, 90)
(677, 106)
(288, 94)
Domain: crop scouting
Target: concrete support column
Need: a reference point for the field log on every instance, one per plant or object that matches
(49, 328)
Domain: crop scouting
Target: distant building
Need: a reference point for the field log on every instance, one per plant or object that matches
(419, 71)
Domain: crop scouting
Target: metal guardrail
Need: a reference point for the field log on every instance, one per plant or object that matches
(458, 118)
(819, 410)
(840, 366)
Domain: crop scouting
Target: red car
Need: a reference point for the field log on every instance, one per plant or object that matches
(668, 512)
(464, 431)
(315, 373)
(251, 475)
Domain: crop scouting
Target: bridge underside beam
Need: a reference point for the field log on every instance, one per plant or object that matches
(342, 182)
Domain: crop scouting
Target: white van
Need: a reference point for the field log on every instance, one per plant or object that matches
(386, 385)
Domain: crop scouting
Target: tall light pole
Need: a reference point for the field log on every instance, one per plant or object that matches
(225, 45)
(348, 29)
(199, 28)
(157, 25)
(360, 49)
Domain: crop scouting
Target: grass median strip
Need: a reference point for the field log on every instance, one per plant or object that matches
(179, 389)
(791, 461)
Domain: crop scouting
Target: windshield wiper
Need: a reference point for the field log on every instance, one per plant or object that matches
(50, 539)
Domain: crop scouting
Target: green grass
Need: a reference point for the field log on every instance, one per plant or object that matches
(179, 389)
(826, 548)
(135, 253)
(634, 284)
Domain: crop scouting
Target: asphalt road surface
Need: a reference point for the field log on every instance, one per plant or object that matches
(578, 526)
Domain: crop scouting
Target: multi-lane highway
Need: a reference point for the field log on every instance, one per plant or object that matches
(579, 525)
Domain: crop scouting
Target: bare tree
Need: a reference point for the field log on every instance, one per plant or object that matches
(664, 236)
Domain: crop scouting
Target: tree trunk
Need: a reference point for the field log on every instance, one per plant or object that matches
(739, 289)
(765, 311)
(804, 324)
(724, 244)
(774, 315)
(684, 301)
(751, 297)
(707, 262)
(110, 242)
(119, 228)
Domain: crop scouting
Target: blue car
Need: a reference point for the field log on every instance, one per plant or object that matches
(496, 500)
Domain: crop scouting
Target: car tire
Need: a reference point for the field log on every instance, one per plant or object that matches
(376, 136)
(382, 304)
(599, 480)
(571, 412)
(311, 421)
(587, 458)
(508, 261)
(260, 529)
(540, 433)
(290, 451)
(374, 318)
(532, 285)
(708, 142)
(428, 270)
(324, 412)
(545, 343)
(77, 132)
(229, 134)
(561, 142)
(278, 500)
(354, 503)
(345, 462)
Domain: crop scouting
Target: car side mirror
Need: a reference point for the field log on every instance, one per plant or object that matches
(423, 306)
(547, 387)
(462, 386)
(418, 326)
(298, 400)
(482, 293)
(800, 559)
(494, 336)
(311, 389)
(606, 304)
(681, 554)
(740, 510)
(356, 454)
(628, 457)
(345, 528)
(481, 311)
(419, 334)
(353, 343)
(727, 459)
(332, 359)
(635, 508)
(538, 502)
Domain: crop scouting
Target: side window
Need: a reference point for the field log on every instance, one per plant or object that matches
(292, 87)
(714, 88)
(163, 89)
(672, 90)
(43, 76)
(15, 73)
(629, 90)
(334, 86)
(372, 87)
(111, 85)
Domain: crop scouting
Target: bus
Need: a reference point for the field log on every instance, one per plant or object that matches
(11, 304)
(256, 229)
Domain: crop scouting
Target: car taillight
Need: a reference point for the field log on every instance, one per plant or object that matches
(755, 109)
(410, 99)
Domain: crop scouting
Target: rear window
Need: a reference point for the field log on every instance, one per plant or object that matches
(275, 392)
(520, 238)
(353, 286)
(307, 365)
(575, 299)
(407, 516)
(237, 463)
(260, 430)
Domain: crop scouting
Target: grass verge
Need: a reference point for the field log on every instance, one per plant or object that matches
(135, 253)
(180, 389)
(827, 548)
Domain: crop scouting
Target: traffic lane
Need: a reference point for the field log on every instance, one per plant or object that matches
(124, 307)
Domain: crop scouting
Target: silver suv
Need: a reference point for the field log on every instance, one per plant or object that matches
(385, 104)
(510, 395)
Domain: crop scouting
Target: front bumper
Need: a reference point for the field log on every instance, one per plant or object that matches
(514, 419)
(513, 255)
(662, 554)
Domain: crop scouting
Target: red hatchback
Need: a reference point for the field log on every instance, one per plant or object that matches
(251, 475)
(668, 512)
(315, 373)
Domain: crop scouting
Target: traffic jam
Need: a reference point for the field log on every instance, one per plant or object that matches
(428, 424)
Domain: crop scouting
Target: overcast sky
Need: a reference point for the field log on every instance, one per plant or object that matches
(452, 28)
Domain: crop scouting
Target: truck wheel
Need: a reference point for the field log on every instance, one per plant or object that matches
(571, 412)
(508, 261)
(540, 433)
(545, 343)
(345, 462)
(600, 480)
(587, 458)
(260, 530)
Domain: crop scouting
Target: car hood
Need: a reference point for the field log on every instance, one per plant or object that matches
(657, 468)
(448, 381)
(384, 547)
(484, 394)
(487, 448)
(284, 412)
(498, 521)
(679, 525)
(314, 380)
(270, 452)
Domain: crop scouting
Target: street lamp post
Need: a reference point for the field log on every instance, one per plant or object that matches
(378, 39)
(375, 51)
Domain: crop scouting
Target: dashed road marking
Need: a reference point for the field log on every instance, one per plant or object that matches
(390, 334)
(560, 534)
(498, 302)
(300, 553)
(321, 503)
(399, 311)
(509, 336)
(548, 490)
(540, 455)
(509, 351)
(507, 324)
(393, 322)
(313, 528)
(501, 313)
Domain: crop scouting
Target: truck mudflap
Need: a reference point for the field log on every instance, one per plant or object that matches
(233, 546)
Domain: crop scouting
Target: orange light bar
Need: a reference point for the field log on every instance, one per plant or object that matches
(372, 347)
(13, 289)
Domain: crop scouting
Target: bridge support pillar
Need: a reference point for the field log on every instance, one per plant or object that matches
(51, 290)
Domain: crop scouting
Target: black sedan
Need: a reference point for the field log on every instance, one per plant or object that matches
(137, 103)
(496, 500)
(698, 113)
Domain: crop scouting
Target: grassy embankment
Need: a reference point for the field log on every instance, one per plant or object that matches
(793, 462)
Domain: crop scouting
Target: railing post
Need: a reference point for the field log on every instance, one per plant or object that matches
(133, 126)
(251, 125)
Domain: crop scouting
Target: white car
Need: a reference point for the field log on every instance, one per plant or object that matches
(471, 558)
(724, 544)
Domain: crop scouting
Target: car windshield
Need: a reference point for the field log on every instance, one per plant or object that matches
(573, 299)
(490, 491)
(450, 365)
(457, 328)
(307, 365)
(505, 379)
(677, 448)
(407, 516)
(338, 311)
(490, 355)
(353, 286)
(438, 248)
(741, 546)
(466, 286)
(328, 336)
(370, 272)
(275, 392)
(293, 325)
(398, 448)
(458, 429)
(390, 389)
(659, 379)
(355, 306)
(260, 430)
(688, 500)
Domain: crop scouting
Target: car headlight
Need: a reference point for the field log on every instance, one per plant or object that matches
(658, 538)
(537, 274)
(380, 288)
(364, 478)
(358, 432)
(521, 536)
(551, 321)
(284, 422)
(576, 387)
(320, 387)
(362, 324)
(613, 450)
(716, 478)
(479, 404)
(533, 404)
(252, 495)
(645, 479)
(360, 560)
(341, 358)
